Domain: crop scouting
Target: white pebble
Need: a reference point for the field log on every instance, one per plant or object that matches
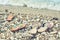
(42, 29)
(33, 31)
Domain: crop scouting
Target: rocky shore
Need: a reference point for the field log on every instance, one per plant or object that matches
(28, 26)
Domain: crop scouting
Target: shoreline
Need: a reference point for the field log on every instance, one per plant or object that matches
(20, 9)
(23, 23)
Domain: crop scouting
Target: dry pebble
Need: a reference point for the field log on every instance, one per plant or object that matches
(54, 32)
(59, 34)
(33, 31)
(42, 29)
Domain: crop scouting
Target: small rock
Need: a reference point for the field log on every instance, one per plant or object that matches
(59, 33)
(10, 17)
(57, 25)
(12, 38)
(42, 24)
(37, 38)
(54, 32)
(2, 30)
(27, 34)
(25, 22)
(2, 39)
(5, 28)
(49, 24)
(30, 27)
(18, 27)
(33, 31)
(43, 33)
(2, 21)
(55, 18)
(22, 26)
(44, 21)
(37, 19)
(6, 10)
(42, 29)
(15, 39)
(3, 36)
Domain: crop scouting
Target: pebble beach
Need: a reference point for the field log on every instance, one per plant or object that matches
(24, 23)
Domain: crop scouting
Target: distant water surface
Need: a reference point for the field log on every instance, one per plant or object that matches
(49, 4)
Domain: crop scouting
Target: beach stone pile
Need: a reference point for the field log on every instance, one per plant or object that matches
(20, 26)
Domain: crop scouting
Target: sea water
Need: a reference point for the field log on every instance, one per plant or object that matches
(49, 4)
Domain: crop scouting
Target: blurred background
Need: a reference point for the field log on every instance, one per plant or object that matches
(49, 4)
